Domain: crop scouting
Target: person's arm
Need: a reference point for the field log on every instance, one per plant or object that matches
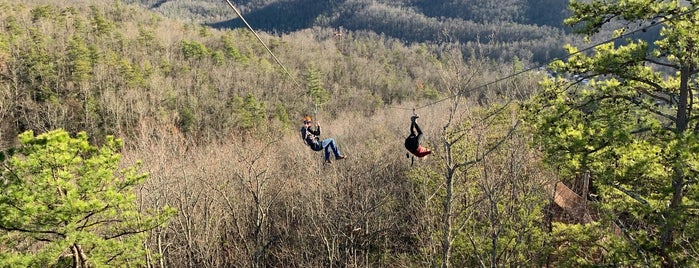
(317, 131)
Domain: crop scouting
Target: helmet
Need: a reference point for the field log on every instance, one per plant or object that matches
(307, 119)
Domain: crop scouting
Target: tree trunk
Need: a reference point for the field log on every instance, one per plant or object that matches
(79, 258)
(447, 227)
(677, 176)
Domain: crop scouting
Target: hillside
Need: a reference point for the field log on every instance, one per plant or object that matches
(214, 121)
(204, 81)
(593, 167)
(527, 30)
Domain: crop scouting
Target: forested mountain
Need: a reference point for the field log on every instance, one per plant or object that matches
(213, 121)
(528, 30)
(164, 134)
(130, 52)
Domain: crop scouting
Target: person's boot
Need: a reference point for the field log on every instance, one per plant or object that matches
(341, 157)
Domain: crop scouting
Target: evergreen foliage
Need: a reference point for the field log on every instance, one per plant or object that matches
(633, 127)
(61, 196)
(249, 111)
(318, 94)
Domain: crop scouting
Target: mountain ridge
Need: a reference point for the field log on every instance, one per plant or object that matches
(508, 29)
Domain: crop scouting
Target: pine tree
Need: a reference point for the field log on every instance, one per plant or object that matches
(61, 196)
(632, 127)
(315, 86)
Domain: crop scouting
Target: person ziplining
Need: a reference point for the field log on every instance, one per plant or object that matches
(412, 142)
(311, 138)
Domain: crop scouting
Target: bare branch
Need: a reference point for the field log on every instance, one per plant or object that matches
(85, 219)
(489, 150)
(128, 233)
(657, 62)
(18, 229)
(631, 194)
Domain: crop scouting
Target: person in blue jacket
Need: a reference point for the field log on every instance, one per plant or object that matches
(311, 138)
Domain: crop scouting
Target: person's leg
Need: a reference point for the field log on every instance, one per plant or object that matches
(412, 126)
(419, 132)
(327, 149)
(417, 128)
(330, 143)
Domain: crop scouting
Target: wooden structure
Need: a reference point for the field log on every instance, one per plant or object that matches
(572, 203)
(571, 207)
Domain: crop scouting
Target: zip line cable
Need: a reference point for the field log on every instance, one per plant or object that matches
(517, 124)
(263, 43)
(653, 24)
(237, 12)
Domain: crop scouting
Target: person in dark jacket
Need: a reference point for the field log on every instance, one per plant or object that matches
(412, 142)
(310, 136)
